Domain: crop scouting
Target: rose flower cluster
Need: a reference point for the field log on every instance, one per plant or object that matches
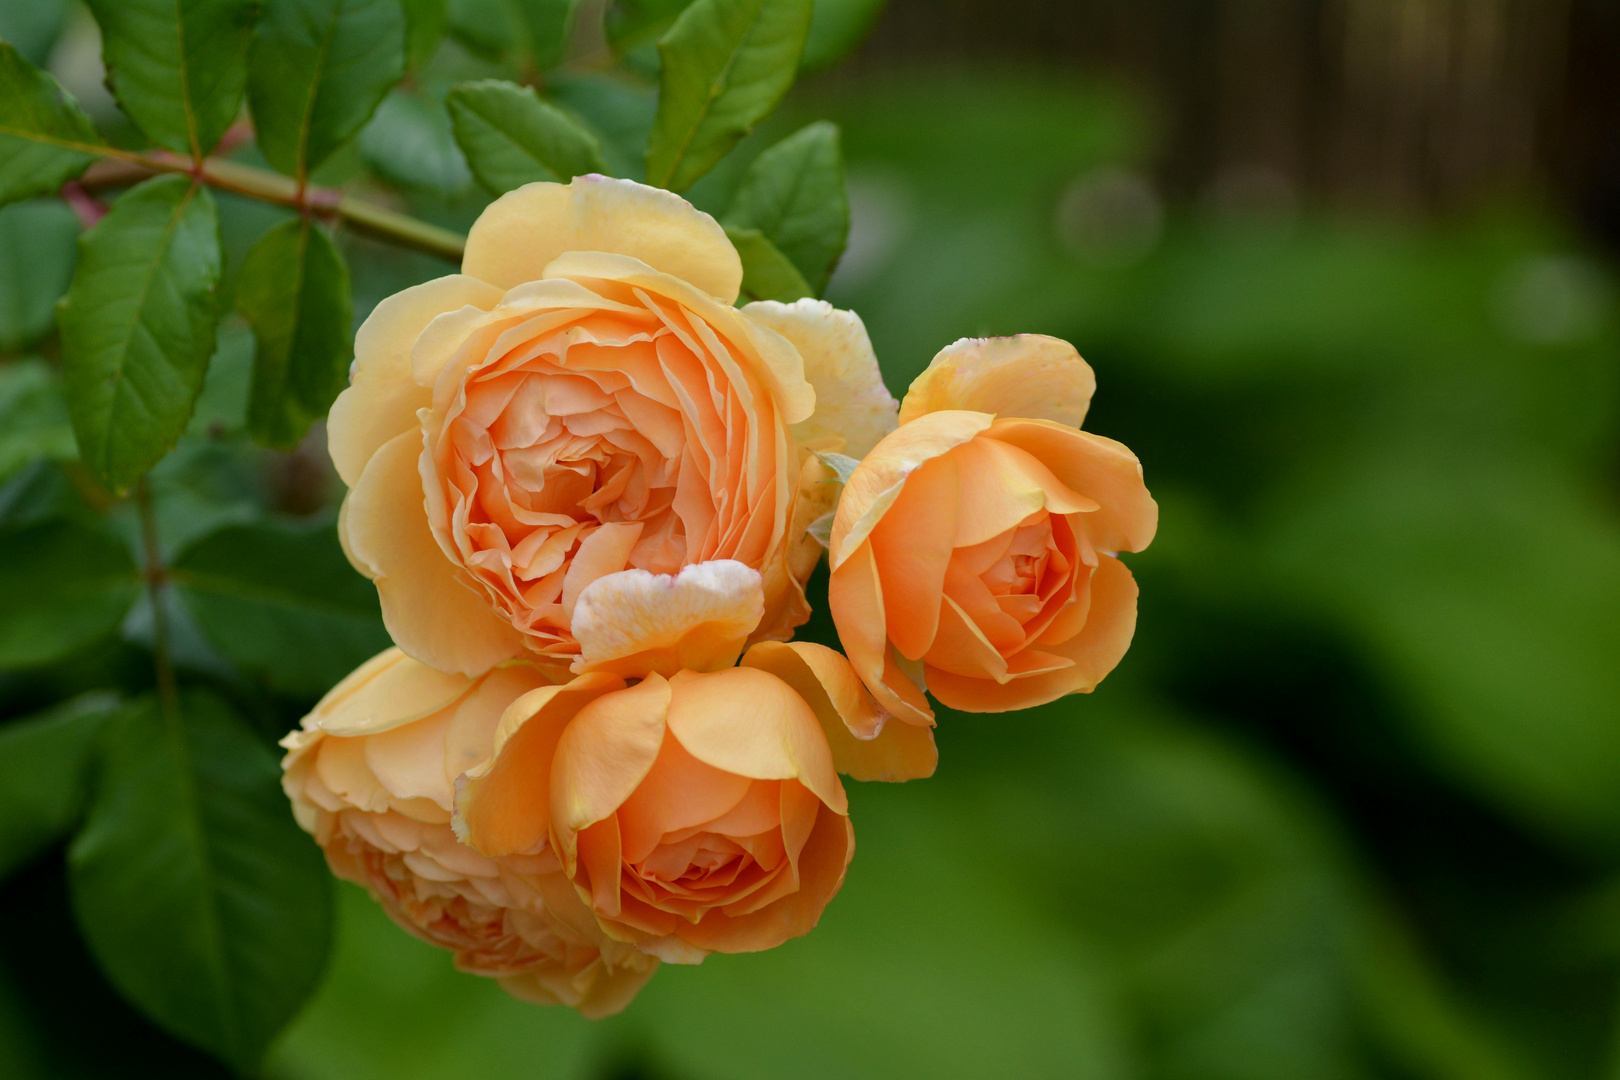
(589, 488)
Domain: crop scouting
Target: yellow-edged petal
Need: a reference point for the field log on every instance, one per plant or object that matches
(1026, 375)
(855, 595)
(633, 622)
(523, 230)
(387, 691)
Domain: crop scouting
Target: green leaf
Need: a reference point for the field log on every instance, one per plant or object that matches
(318, 70)
(512, 138)
(38, 242)
(634, 23)
(767, 273)
(794, 194)
(548, 24)
(200, 898)
(619, 110)
(63, 585)
(294, 291)
(34, 423)
(45, 138)
(424, 29)
(138, 325)
(837, 30)
(726, 64)
(283, 604)
(42, 776)
(32, 26)
(409, 143)
(178, 69)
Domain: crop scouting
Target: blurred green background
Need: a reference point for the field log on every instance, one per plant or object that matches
(1351, 806)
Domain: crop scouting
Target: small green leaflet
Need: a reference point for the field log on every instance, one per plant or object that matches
(39, 241)
(293, 290)
(42, 776)
(63, 586)
(424, 29)
(512, 138)
(138, 325)
(317, 71)
(836, 31)
(409, 143)
(842, 465)
(634, 23)
(726, 65)
(177, 69)
(547, 26)
(794, 194)
(45, 138)
(34, 423)
(767, 273)
(198, 895)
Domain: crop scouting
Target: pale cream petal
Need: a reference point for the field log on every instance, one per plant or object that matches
(633, 622)
(853, 407)
(387, 691)
(1028, 375)
(751, 723)
(523, 230)
(381, 400)
(864, 747)
(429, 612)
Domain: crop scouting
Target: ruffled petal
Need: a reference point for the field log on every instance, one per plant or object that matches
(1098, 468)
(633, 622)
(1027, 375)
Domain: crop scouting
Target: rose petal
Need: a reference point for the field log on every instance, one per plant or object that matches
(1098, 468)
(605, 752)
(633, 622)
(387, 691)
(913, 544)
(855, 596)
(1027, 375)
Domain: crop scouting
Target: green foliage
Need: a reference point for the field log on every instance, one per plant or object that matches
(409, 143)
(547, 26)
(318, 70)
(45, 138)
(512, 138)
(138, 325)
(178, 70)
(293, 289)
(34, 422)
(37, 248)
(63, 585)
(43, 775)
(425, 23)
(283, 604)
(202, 901)
(726, 65)
(767, 273)
(837, 30)
(634, 23)
(794, 195)
(32, 26)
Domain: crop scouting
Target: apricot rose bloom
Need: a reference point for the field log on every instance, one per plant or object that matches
(974, 551)
(582, 401)
(371, 775)
(692, 814)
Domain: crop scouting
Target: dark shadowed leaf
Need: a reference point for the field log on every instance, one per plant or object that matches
(838, 28)
(424, 28)
(317, 71)
(294, 291)
(63, 585)
(767, 273)
(45, 138)
(42, 776)
(177, 69)
(283, 603)
(38, 243)
(201, 899)
(33, 26)
(794, 194)
(138, 325)
(409, 143)
(726, 64)
(512, 138)
(34, 424)
(634, 23)
(547, 25)
(620, 110)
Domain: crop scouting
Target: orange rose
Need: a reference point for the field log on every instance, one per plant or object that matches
(582, 401)
(695, 814)
(371, 775)
(973, 551)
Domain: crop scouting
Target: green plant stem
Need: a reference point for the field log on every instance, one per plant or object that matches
(157, 579)
(124, 167)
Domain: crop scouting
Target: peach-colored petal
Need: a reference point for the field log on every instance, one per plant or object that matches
(387, 691)
(863, 745)
(606, 551)
(469, 740)
(855, 596)
(876, 483)
(600, 857)
(1027, 375)
(995, 496)
(853, 407)
(409, 761)
(521, 232)
(962, 648)
(749, 722)
(912, 545)
(633, 622)
(606, 750)
(429, 612)
(1098, 468)
(680, 792)
(381, 400)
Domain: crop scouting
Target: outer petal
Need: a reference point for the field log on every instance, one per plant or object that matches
(607, 749)
(1098, 468)
(853, 407)
(381, 400)
(633, 622)
(429, 612)
(387, 691)
(523, 230)
(751, 723)
(855, 596)
(864, 747)
(1095, 651)
(876, 483)
(1027, 375)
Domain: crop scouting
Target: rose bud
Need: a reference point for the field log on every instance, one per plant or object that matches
(974, 550)
(371, 775)
(583, 400)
